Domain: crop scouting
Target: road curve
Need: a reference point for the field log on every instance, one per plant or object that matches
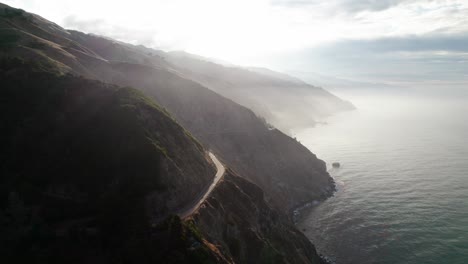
(219, 174)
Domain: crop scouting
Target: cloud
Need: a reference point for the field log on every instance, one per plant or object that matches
(392, 59)
(372, 5)
(351, 6)
(411, 43)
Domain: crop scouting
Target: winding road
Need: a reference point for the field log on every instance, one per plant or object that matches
(219, 175)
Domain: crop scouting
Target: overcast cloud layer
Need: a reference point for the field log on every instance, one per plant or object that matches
(367, 39)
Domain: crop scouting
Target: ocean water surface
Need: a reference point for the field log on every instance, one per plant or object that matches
(403, 183)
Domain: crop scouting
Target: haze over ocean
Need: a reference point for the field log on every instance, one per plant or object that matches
(403, 185)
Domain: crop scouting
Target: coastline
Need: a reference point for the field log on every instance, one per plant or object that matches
(297, 212)
(297, 215)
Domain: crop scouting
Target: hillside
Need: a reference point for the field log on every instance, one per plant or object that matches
(94, 172)
(288, 173)
(87, 167)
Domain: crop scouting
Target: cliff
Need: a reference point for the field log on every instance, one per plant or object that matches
(237, 217)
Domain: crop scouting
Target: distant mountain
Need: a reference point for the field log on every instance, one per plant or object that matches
(284, 101)
(74, 136)
(341, 84)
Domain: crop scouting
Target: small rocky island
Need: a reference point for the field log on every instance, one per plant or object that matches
(336, 165)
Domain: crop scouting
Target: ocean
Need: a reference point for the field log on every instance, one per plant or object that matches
(403, 182)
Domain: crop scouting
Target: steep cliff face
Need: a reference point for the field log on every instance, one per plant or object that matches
(237, 217)
(288, 172)
(86, 167)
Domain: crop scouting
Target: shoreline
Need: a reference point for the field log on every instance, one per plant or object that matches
(297, 212)
(296, 215)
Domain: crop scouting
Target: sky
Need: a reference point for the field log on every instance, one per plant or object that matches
(390, 41)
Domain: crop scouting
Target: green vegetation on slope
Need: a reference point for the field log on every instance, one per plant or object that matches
(78, 162)
(11, 12)
(8, 38)
(181, 242)
(74, 158)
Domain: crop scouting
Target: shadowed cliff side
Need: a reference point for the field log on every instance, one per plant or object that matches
(237, 217)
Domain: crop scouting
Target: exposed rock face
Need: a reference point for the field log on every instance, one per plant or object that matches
(237, 217)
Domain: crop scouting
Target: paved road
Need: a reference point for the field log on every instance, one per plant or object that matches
(219, 174)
